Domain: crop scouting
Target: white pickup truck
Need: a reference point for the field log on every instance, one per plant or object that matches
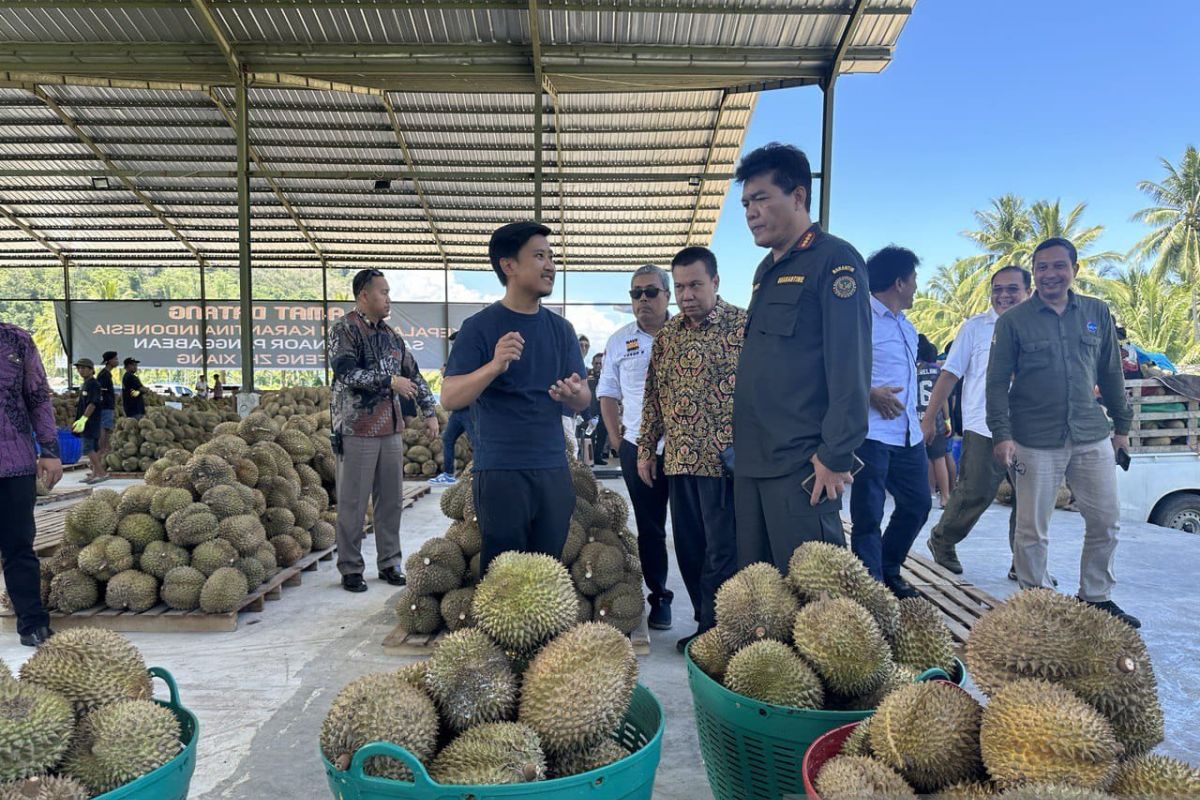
(1162, 485)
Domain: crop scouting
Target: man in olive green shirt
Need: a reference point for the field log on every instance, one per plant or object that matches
(1049, 354)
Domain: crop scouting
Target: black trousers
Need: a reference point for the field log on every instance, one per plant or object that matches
(600, 443)
(702, 520)
(776, 515)
(650, 513)
(523, 509)
(22, 570)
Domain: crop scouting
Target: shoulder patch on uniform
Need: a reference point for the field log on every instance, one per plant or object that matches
(843, 268)
(844, 287)
(790, 279)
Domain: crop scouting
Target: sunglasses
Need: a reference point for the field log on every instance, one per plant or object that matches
(650, 292)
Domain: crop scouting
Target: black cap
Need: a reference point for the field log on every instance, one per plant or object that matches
(108, 356)
(131, 360)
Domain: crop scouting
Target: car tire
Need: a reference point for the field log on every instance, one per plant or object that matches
(1181, 512)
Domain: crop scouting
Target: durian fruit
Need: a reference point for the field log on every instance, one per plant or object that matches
(224, 591)
(452, 500)
(1156, 776)
(899, 675)
(35, 727)
(842, 642)
(131, 590)
(820, 568)
(1039, 732)
(613, 508)
(224, 501)
(753, 605)
(380, 707)
(621, 606)
(418, 613)
(253, 569)
(110, 496)
(90, 667)
(207, 471)
(576, 538)
(265, 555)
(324, 535)
(181, 588)
(577, 689)
(73, 590)
(858, 777)
(577, 762)
(192, 525)
(467, 536)
(140, 530)
(1039, 633)
(210, 556)
(771, 672)
(471, 680)
(710, 653)
(490, 754)
(167, 500)
(5, 672)
(136, 500)
(456, 609)
(88, 519)
(599, 566)
(929, 733)
(278, 520)
(244, 532)
(524, 599)
(922, 638)
(106, 556)
(967, 790)
(436, 568)
(287, 549)
(414, 674)
(586, 609)
(44, 787)
(118, 743)
(159, 558)
(1055, 791)
(858, 743)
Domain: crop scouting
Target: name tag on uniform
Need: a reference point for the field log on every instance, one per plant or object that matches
(843, 268)
(790, 279)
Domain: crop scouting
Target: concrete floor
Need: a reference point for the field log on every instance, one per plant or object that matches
(262, 691)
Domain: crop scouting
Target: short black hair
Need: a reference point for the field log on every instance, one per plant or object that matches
(890, 264)
(690, 255)
(507, 241)
(1026, 275)
(363, 278)
(583, 338)
(787, 164)
(926, 350)
(1057, 241)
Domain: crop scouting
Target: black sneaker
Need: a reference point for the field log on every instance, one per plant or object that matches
(393, 576)
(682, 644)
(900, 587)
(36, 638)
(354, 583)
(1116, 611)
(945, 556)
(660, 614)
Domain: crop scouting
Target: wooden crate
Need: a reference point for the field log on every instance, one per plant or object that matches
(402, 643)
(961, 603)
(162, 619)
(1185, 439)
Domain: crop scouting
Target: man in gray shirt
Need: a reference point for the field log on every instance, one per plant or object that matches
(1056, 348)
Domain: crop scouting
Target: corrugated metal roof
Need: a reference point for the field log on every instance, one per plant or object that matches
(644, 113)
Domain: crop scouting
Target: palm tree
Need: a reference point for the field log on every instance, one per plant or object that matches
(1154, 313)
(1004, 229)
(1174, 244)
(953, 295)
(46, 338)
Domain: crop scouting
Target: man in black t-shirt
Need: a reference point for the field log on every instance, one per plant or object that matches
(107, 399)
(132, 401)
(87, 422)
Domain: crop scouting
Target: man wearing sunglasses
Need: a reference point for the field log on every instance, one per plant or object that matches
(621, 390)
(374, 371)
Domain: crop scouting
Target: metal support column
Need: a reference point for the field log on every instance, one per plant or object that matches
(826, 150)
(69, 338)
(325, 318)
(243, 192)
(203, 326)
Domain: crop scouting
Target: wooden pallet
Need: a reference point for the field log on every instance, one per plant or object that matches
(414, 492)
(126, 475)
(49, 524)
(402, 643)
(961, 603)
(62, 495)
(162, 619)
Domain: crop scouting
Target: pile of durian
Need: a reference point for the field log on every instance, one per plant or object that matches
(600, 554)
(137, 443)
(1072, 713)
(80, 720)
(827, 636)
(284, 404)
(423, 456)
(527, 694)
(206, 528)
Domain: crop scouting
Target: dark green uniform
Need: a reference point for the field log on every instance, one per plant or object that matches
(802, 385)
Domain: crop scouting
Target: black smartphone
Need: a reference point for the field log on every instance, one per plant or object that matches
(811, 480)
(1123, 459)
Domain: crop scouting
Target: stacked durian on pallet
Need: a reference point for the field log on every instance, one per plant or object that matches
(137, 443)
(527, 693)
(1072, 712)
(80, 721)
(423, 456)
(826, 636)
(207, 527)
(600, 553)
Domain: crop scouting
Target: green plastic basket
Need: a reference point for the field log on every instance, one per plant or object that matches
(753, 750)
(631, 778)
(171, 780)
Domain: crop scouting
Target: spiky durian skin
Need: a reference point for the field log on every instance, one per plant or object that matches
(771, 672)
(456, 608)
(73, 590)
(1055, 791)
(1038, 732)
(45, 787)
(1157, 776)
(467, 536)
(621, 606)
(118, 743)
(436, 568)
(858, 743)
(524, 599)
(820, 568)
(418, 613)
(841, 641)
(90, 667)
(859, 777)
(1039, 633)
(224, 591)
(181, 588)
(35, 728)
(577, 762)
(929, 733)
(490, 754)
(922, 639)
(383, 707)
(967, 790)
(131, 590)
(577, 688)
(471, 680)
(711, 654)
(755, 604)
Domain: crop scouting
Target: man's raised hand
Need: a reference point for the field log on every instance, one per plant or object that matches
(508, 350)
(569, 387)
